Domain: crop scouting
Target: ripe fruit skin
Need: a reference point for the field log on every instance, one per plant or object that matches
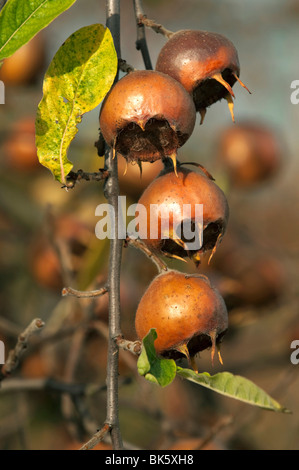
(185, 311)
(146, 116)
(205, 63)
(188, 187)
(250, 153)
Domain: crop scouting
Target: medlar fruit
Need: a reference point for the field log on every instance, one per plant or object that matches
(166, 197)
(205, 63)
(147, 116)
(188, 314)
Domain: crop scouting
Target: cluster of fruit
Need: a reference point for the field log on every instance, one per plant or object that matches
(146, 117)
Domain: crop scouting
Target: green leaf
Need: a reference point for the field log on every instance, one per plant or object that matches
(155, 369)
(233, 386)
(20, 20)
(77, 80)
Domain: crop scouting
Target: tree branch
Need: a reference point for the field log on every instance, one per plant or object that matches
(112, 192)
(158, 28)
(141, 44)
(125, 67)
(97, 437)
(15, 354)
(73, 177)
(140, 245)
(132, 346)
(69, 291)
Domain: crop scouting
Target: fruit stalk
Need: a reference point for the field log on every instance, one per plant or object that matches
(112, 192)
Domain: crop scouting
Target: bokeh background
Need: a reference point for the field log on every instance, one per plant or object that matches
(47, 241)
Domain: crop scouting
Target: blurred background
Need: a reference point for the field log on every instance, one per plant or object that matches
(47, 241)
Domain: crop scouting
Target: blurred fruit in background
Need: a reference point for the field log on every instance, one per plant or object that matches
(252, 269)
(247, 276)
(71, 237)
(35, 366)
(26, 64)
(249, 153)
(19, 149)
(45, 265)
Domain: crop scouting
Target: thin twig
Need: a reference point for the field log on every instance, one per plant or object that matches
(60, 246)
(141, 44)
(69, 291)
(140, 245)
(125, 67)
(97, 437)
(132, 346)
(73, 177)
(15, 354)
(68, 404)
(158, 28)
(71, 405)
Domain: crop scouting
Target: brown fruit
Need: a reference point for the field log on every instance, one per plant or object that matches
(188, 187)
(248, 275)
(249, 153)
(45, 265)
(23, 67)
(147, 116)
(205, 63)
(189, 315)
(34, 366)
(19, 148)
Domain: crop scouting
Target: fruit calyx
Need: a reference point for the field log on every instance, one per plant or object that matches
(167, 196)
(147, 116)
(205, 63)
